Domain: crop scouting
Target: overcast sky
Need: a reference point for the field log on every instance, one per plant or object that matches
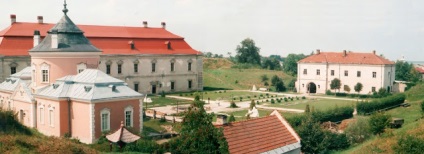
(391, 27)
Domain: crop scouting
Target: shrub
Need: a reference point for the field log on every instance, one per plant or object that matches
(236, 82)
(378, 122)
(278, 100)
(234, 99)
(257, 102)
(233, 105)
(297, 98)
(267, 94)
(219, 92)
(225, 91)
(162, 94)
(254, 96)
(231, 118)
(422, 107)
(378, 104)
(272, 101)
(162, 119)
(409, 144)
(266, 100)
(336, 141)
(328, 92)
(358, 131)
(291, 99)
(303, 97)
(144, 146)
(285, 99)
(181, 94)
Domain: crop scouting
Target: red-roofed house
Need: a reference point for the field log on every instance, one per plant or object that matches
(271, 134)
(316, 72)
(149, 59)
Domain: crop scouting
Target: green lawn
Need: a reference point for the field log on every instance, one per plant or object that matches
(240, 115)
(239, 78)
(223, 95)
(164, 101)
(316, 103)
(153, 125)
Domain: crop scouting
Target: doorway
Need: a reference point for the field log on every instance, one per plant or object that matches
(153, 89)
(312, 88)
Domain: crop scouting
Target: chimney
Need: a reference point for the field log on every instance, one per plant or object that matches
(12, 18)
(344, 53)
(163, 25)
(36, 37)
(55, 43)
(221, 119)
(145, 24)
(318, 52)
(40, 19)
(374, 52)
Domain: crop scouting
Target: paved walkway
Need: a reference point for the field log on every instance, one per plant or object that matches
(223, 106)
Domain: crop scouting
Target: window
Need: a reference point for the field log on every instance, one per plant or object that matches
(189, 66)
(107, 69)
(153, 67)
(81, 67)
(346, 73)
(189, 84)
(45, 74)
(332, 72)
(42, 115)
(51, 117)
(374, 74)
(136, 87)
(305, 71)
(172, 85)
(129, 116)
(318, 72)
(172, 67)
(105, 120)
(135, 68)
(358, 73)
(119, 68)
(373, 89)
(12, 70)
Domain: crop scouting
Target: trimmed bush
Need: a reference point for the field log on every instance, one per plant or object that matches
(334, 115)
(233, 105)
(272, 101)
(378, 122)
(303, 97)
(379, 104)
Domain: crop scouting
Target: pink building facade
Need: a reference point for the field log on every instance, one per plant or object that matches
(62, 92)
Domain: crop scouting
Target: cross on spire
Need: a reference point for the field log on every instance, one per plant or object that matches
(65, 10)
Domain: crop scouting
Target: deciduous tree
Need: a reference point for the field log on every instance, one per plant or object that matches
(290, 63)
(248, 52)
(335, 84)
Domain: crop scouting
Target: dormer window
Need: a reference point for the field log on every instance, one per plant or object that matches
(132, 45)
(168, 45)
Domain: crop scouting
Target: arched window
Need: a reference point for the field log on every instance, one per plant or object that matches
(41, 108)
(45, 70)
(51, 116)
(129, 116)
(105, 119)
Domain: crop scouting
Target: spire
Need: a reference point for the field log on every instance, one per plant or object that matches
(65, 10)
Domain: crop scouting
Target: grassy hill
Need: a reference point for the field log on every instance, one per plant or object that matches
(16, 138)
(413, 126)
(218, 74)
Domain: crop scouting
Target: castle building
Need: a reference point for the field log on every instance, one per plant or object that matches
(60, 94)
(315, 72)
(149, 59)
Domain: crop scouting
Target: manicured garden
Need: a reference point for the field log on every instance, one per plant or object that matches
(240, 115)
(158, 101)
(315, 103)
(226, 95)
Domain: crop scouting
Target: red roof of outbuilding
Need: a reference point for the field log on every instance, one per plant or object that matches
(350, 58)
(17, 39)
(259, 135)
(419, 69)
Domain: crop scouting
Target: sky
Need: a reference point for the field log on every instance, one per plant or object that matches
(394, 28)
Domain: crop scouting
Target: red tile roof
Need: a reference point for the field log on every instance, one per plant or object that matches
(259, 135)
(17, 39)
(350, 58)
(419, 69)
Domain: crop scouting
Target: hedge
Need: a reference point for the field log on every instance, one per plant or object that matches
(334, 115)
(379, 104)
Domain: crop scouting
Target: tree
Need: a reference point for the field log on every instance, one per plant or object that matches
(406, 72)
(335, 84)
(264, 78)
(271, 64)
(313, 137)
(346, 88)
(279, 87)
(247, 52)
(274, 80)
(378, 122)
(290, 63)
(252, 104)
(208, 54)
(358, 87)
(307, 109)
(198, 135)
